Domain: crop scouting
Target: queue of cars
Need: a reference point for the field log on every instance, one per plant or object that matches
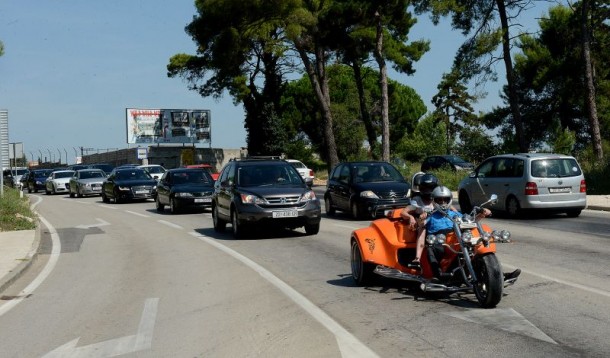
(262, 192)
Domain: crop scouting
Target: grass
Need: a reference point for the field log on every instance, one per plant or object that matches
(15, 213)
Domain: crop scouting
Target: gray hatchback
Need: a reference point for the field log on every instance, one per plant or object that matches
(523, 181)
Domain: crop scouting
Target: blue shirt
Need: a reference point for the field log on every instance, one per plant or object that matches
(438, 222)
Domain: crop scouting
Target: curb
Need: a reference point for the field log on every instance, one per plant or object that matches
(26, 262)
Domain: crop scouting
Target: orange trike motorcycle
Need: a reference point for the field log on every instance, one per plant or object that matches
(461, 260)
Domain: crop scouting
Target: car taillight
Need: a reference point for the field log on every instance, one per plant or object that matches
(310, 173)
(531, 189)
(583, 186)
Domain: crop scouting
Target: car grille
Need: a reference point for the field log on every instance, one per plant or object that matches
(96, 185)
(283, 201)
(392, 195)
(203, 194)
(141, 191)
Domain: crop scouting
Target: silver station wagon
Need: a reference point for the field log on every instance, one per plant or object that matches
(540, 181)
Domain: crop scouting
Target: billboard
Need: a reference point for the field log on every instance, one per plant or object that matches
(168, 126)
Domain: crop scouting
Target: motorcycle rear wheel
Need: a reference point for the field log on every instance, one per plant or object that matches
(488, 289)
(362, 272)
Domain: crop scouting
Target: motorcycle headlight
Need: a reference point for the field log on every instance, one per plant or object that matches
(467, 236)
(486, 236)
(430, 239)
(505, 235)
(441, 238)
(368, 194)
(496, 235)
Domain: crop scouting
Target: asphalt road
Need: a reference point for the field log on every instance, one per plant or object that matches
(124, 279)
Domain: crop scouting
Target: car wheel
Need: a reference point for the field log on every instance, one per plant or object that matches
(355, 211)
(512, 207)
(117, 197)
(46, 191)
(79, 193)
(219, 224)
(464, 201)
(312, 229)
(238, 228)
(328, 206)
(71, 194)
(158, 204)
(105, 198)
(173, 206)
(29, 189)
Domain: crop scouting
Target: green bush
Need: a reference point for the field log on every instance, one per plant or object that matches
(15, 213)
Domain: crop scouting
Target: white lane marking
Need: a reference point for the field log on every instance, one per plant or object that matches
(506, 319)
(77, 201)
(137, 214)
(88, 226)
(118, 346)
(170, 224)
(106, 206)
(53, 258)
(348, 344)
(563, 282)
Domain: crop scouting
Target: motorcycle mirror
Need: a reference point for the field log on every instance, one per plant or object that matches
(493, 199)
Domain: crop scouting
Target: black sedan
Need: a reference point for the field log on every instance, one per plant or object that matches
(128, 184)
(183, 187)
(366, 189)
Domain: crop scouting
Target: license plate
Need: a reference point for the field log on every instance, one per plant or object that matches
(285, 214)
(203, 200)
(141, 191)
(560, 190)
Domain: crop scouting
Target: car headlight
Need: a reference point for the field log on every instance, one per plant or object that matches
(368, 194)
(124, 188)
(184, 195)
(309, 195)
(251, 199)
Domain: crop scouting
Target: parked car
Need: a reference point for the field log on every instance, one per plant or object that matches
(76, 167)
(306, 173)
(365, 189)
(12, 177)
(183, 188)
(128, 184)
(23, 182)
(37, 179)
(207, 167)
(448, 161)
(263, 193)
(86, 182)
(156, 171)
(58, 182)
(525, 181)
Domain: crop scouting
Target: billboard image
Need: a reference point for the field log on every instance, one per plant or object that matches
(168, 126)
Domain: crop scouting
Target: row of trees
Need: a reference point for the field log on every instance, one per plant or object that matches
(256, 50)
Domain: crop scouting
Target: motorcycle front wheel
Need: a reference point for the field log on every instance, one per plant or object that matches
(488, 287)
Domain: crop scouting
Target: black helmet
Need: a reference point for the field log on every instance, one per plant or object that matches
(427, 183)
(416, 181)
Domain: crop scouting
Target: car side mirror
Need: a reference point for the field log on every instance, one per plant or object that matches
(472, 174)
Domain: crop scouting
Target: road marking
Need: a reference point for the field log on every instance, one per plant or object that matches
(348, 344)
(506, 319)
(137, 214)
(53, 258)
(100, 223)
(170, 224)
(77, 201)
(563, 282)
(105, 206)
(118, 346)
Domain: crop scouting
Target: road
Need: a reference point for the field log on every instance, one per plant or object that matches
(125, 279)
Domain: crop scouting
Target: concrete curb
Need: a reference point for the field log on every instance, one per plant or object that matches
(25, 263)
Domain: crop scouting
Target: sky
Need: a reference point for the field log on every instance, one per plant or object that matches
(72, 67)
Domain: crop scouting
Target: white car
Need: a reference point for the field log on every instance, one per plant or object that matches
(58, 182)
(156, 171)
(306, 173)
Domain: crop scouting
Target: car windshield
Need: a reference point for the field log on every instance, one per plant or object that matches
(64, 174)
(190, 177)
(155, 170)
(42, 173)
(91, 174)
(555, 168)
(132, 175)
(298, 164)
(268, 175)
(455, 160)
(374, 172)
